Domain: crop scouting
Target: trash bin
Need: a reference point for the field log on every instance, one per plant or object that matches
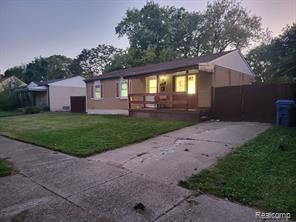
(284, 112)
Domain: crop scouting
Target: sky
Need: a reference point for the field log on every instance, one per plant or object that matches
(33, 28)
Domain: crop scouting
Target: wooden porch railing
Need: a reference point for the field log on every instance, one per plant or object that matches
(157, 100)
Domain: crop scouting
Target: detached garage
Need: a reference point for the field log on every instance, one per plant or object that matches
(61, 91)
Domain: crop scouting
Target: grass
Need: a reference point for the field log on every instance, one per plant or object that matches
(9, 113)
(5, 169)
(84, 135)
(258, 174)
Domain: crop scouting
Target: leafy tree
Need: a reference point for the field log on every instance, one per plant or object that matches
(260, 59)
(44, 68)
(17, 71)
(276, 61)
(228, 25)
(93, 61)
(154, 28)
(75, 68)
(8, 100)
(120, 60)
(160, 33)
(285, 49)
(135, 57)
(53, 67)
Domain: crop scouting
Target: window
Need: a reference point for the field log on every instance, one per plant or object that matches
(152, 86)
(180, 83)
(98, 90)
(122, 89)
(191, 84)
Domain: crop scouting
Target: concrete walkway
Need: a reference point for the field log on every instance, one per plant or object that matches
(51, 186)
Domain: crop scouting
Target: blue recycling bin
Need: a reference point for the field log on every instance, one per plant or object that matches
(284, 110)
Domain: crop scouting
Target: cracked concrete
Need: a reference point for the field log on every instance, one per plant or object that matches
(52, 186)
(177, 155)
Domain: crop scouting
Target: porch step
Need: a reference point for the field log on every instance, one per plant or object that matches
(204, 115)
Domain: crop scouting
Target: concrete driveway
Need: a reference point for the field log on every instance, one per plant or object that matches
(51, 186)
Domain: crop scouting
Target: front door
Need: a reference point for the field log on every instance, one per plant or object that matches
(192, 91)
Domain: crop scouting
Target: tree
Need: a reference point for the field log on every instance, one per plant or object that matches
(93, 61)
(260, 59)
(285, 47)
(154, 28)
(275, 61)
(156, 33)
(17, 71)
(44, 68)
(228, 25)
(121, 60)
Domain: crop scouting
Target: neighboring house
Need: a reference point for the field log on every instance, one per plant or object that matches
(54, 94)
(181, 86)
(10, 82)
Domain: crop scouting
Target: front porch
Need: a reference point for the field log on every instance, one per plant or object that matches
(172, 95)
(195, 115)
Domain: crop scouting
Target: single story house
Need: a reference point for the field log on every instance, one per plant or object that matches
(53, 94)
(179, 86)
(10, 82)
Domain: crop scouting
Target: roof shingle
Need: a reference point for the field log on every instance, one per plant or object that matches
(159, 67)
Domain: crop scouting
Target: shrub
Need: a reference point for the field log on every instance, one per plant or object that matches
(31, 110)
(8, 100)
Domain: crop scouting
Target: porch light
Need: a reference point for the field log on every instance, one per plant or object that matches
(162, 78)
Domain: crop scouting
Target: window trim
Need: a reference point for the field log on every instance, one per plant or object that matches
(156, 86)
(186, 79)
(97, 83)
(195, 87)
(121, 81)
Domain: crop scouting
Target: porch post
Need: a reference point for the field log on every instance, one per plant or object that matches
(186, 87)
(157, 83)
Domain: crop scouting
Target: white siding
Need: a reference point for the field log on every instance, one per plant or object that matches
(76, 81)
(235, 61)
(59, 97)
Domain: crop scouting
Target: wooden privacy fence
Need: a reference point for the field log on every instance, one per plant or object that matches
(250, 102)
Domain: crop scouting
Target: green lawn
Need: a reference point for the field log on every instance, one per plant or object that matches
(84, 135)
(257, 174)
(5, 169)
(9, 113)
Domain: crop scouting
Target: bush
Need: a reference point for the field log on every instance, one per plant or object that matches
(8, 100)
(31, 110)
(45, 108)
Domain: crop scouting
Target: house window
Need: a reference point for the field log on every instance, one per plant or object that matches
(122, 89)
(152, 85)
(180, 83)
(191, 84)
(98, 90)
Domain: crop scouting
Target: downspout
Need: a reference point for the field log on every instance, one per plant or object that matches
(86, 98)
(48, 98)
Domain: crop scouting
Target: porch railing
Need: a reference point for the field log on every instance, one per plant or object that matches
(138, 101)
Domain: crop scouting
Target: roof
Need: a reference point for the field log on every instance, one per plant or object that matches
(11, 79)
(159, 67)
(3, 78)
(45, 83)
(30, 89)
